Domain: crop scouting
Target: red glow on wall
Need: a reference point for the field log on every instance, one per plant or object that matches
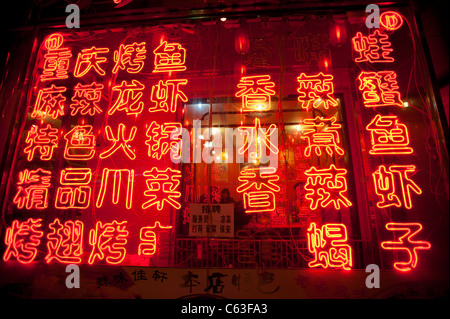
(65, 242)
(162, 188)
(22, 240)
(89, 59)
(373, 48)
(386, 182)
(316, 91)
(329, 246)
(32, 188)
(388, 136)
(255, 92)
(108, 242)
(406, 243)
(327, 186)
(44, 140)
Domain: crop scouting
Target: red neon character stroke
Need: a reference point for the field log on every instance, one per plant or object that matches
(120, 177)
(406, 243)
(119, 142)
(131, 57)
(391, 20)
(88, 59)
(379, 89)
(22, 240)
(169, 57)
(316, 91)
(85, 99)
(161, 188)
(75, 192)
(327, 186)
(372, 48)
(44, 139)
(385, 181)
(32, 190)
(65, 242)
(164, 138)
(321, 133)
(388, 136)
(329, 246)
(50, 102)
(259, 188)
(166, 94)
(256, 137)
(56, 60)
(108, 242)
(80, 144)
(256, 92)
(149, 239)
(129, 99)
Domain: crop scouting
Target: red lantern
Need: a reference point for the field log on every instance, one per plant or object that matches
(338, 32)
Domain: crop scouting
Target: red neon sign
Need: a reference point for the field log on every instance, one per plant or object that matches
(391, 20)
(169, 57)
(385, 182)
(108, 242)
(388, 136)
(406, 243)
(161, 188)
(321, 134)
(327, 186)
(22, 240)
(44, 139)
(65, 242)
(259, 188)
(130, 57)
(32, 188)
(379, 88)
(316, 91)
(164, 138)
(75, 192)
(119, 141)
(80, 144)
(120, 177)
(165, 95)
(373, 48)
(88, 59)
(149, 239)
(329, 246)
(256, 92)
(50, 102)
(254, 139)
(56, 60)
(85, 99)
(129, 99)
